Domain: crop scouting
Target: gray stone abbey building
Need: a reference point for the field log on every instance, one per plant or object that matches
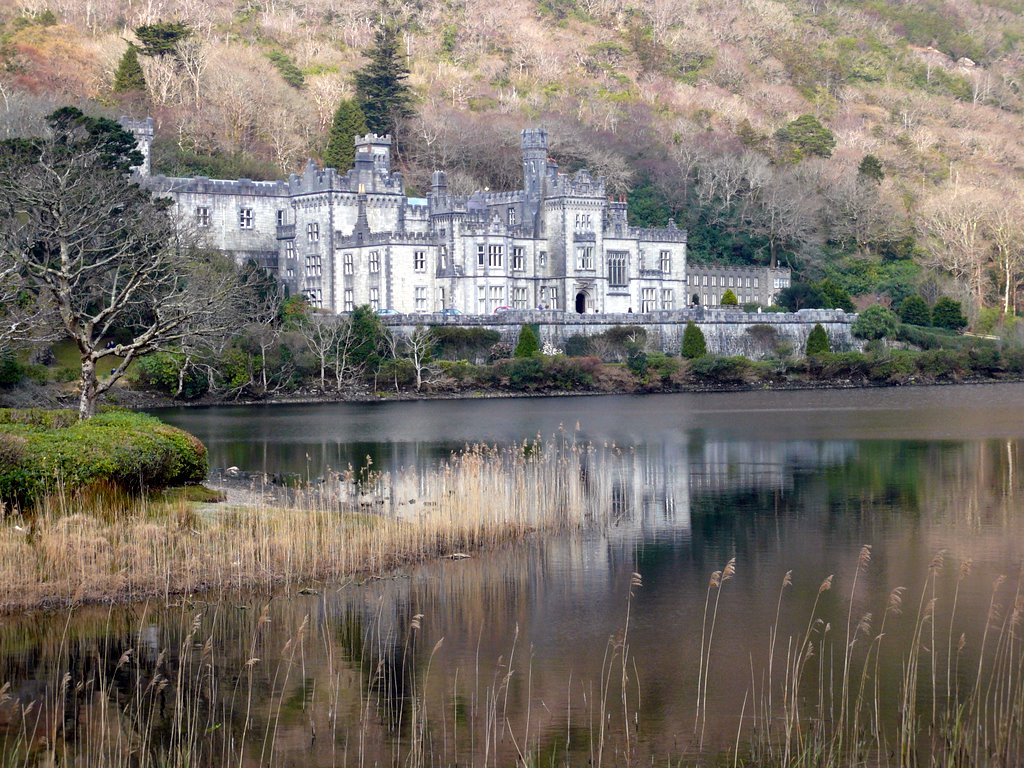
(346, 239)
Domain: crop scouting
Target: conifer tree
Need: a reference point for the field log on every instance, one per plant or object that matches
(381, 90)
(729, 298)
(529, 344)
(348, 123)
(129, 77)
(694, 343)
(817, 341)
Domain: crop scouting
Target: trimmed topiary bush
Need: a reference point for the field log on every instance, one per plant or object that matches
(729, 299)
(694, 343)
(948, 314)
(915, 311)
(529, 344)
(817, 341)
(46, 450)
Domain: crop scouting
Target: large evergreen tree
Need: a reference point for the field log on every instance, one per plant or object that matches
(129, 77)
(348, 123)
(381, 90)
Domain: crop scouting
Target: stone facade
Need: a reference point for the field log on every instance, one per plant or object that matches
(347, 239)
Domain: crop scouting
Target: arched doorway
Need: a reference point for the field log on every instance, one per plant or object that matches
(581, 303)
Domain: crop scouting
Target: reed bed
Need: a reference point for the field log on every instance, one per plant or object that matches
(110, 547)
(230, 691)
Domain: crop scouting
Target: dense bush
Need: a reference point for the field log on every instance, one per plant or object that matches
(578, 345)
(528, 344)
(948, 314)
(915, 311)
(46, 450)
(712, 369)
(729, 298)
(694, 343)
(817, 341)
(456, 343)
(875, 322)
(159, 372)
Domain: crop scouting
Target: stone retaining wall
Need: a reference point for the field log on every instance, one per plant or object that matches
(727, 331)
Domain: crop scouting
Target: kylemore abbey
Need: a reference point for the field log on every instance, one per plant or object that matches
(353, 238)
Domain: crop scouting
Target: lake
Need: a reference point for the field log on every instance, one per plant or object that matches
(606, 647)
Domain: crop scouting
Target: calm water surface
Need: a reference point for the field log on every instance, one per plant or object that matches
(505, 653)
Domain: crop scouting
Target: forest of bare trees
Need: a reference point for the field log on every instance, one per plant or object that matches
(682, 105)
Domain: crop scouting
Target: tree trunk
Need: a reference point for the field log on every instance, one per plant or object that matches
(89, 383)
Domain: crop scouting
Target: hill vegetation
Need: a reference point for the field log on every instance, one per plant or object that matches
(871, 144)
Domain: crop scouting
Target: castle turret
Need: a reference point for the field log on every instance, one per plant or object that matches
(377, 148)
(142, 130)
(535, 157)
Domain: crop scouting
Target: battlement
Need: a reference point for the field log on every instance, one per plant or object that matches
(535, 139)
(671, 233)
(200, 185)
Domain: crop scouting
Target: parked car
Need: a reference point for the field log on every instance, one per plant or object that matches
(388, 311)
(449, 312)
(500, 310)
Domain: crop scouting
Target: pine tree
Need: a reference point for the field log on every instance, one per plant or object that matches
(381, 90)
(817, 341)
(694, 343)
(529, 344)
(129, 77)
(348, 123)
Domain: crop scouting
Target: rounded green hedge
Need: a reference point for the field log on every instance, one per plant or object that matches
(43, 451)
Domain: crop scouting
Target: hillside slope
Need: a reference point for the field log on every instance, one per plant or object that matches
(679, 103)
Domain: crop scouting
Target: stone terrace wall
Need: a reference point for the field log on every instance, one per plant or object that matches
(727, 331)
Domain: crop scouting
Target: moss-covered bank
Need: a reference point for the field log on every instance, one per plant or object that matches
(45, 451)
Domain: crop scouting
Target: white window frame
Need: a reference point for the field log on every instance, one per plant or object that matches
(668, 298)
(481, 255)
(495, 255)
(519, 297)
(350, 303)
(374, 262)
(518, 258)
(585, 258)
(648, 300)
(202, 216)
(665, 261)
(313, 232)
(419, 261)
(246, 218)
(375, 299)
(421, 298)
(348, 261)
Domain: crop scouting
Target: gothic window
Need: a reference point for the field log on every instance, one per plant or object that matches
(618, 273)
(666, 261)
(349, 301)
(202, 216)
(313, 232)
(245, 218)
(495, 255)
(421, 298)
(518, 259)
(585, 257)
(419, 263)
(374, 261)
(647, 303)
(347, 263)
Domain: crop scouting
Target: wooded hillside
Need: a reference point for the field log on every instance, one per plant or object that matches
(874, 145)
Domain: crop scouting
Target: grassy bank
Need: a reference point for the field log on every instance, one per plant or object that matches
(45, 452)
(110, 546)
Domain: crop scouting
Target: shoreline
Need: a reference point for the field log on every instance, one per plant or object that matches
(44, 397)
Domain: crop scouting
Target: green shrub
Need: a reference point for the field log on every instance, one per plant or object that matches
(729, 298)
(50, 450)
(637, 363)
(942, 364)
(915, 311)
(817, 341)
(721, 370)
(159, 372)
(525, 373)
(400, 371)
(578, 345)
(985, 360)
(892, 366)
(694, 344)
(11, 372)
(875, 322)
(458, 343)
(948, 314)
(529, 344)
(460, 370)
(663, 366)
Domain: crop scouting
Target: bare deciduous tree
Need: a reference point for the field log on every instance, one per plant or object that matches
(88, 240)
